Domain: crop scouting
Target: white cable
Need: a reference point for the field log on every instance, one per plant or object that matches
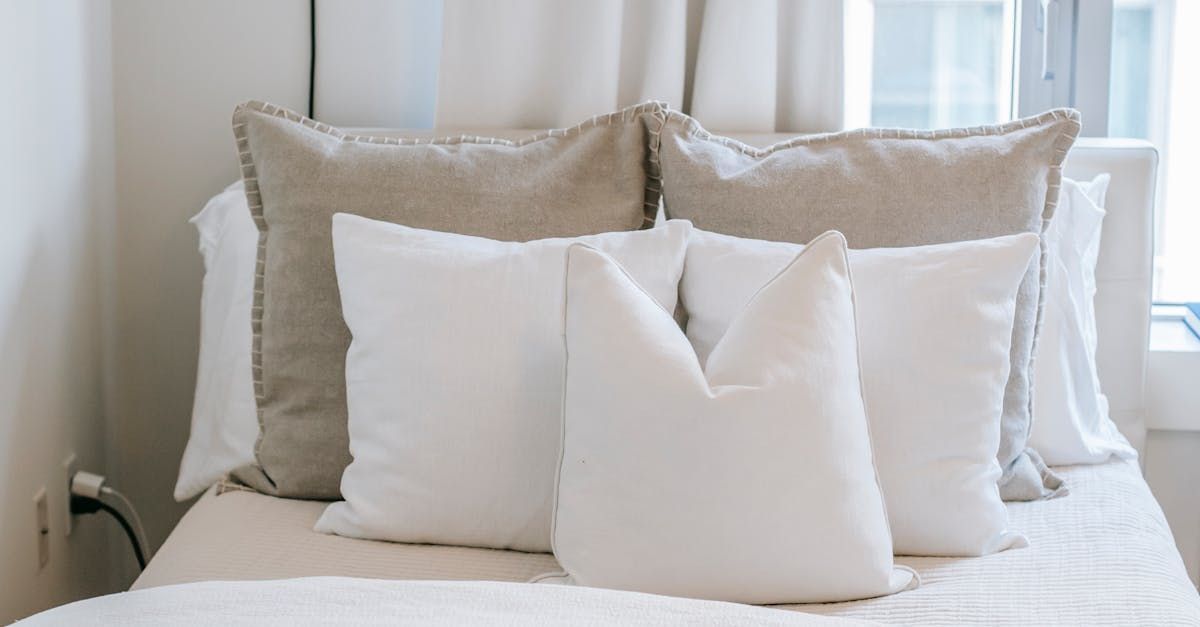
(137, 520)
(91, 485)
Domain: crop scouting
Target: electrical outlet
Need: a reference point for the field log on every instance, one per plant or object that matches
(43, 527)
(70, 465)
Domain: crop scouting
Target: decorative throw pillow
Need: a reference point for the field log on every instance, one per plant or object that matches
(934, 324)
(748, 479)
(884, 187)
(454, 377)
(586, 179)
(224, 426)
(1071, 423)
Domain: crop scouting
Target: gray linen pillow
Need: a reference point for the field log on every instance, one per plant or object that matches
(591, 178)
(881, 188)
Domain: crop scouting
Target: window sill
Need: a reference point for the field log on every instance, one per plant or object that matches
(1173, 375)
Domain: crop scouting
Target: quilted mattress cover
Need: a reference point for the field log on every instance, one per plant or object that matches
(1101, 556)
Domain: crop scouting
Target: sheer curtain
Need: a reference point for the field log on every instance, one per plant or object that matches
(739, 65)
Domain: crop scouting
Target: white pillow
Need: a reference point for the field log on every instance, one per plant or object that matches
(454, 377)
(749, 480)
(224, 418)
(934, 326)
(1071, 423)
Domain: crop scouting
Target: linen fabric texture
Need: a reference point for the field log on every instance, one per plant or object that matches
(590, 178)
(934, 325)
(749, 479)
(455, 378)
(890, 188)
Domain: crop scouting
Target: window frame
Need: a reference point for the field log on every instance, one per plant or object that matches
(1077, 72)
(1080, 40)
(1085, 29)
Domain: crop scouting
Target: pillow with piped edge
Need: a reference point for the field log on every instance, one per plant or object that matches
(454, 377)
(748, 478)
(590, 178)
(886, 188)
(934, 324)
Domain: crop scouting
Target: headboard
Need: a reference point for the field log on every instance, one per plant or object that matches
(1124, 273)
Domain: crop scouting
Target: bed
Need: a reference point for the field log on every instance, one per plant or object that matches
(1102, 556)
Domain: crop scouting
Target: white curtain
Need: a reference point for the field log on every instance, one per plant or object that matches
(738, 65)
(534, 63)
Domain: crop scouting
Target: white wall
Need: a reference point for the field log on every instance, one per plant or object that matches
(117, 131)
(179, 68)
(56, 204)
(1172, 463)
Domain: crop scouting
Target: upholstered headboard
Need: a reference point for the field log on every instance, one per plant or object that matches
(1124, 273)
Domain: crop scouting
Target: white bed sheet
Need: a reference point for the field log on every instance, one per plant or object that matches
(1101, 556)
(346, 601)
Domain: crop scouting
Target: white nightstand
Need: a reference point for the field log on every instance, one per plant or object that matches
(1171, 457)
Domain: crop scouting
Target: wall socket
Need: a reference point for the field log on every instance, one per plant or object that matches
(43, 527)
(70, 465)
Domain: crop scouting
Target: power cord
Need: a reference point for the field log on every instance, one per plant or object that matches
(312, 58)
(88, 496)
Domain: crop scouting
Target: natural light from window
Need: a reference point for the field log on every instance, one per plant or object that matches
(1154, 95)
(942, 64)
(945, 63)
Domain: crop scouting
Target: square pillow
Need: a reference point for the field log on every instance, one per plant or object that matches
(934, 324)
(889, 188)
(1071, 423)
(454, 377)
(587, 179)
(747, 479)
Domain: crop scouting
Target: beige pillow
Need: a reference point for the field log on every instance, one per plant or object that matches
(888, 188)
(591, 178)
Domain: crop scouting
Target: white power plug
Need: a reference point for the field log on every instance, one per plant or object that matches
(88, 496)
(87, 484)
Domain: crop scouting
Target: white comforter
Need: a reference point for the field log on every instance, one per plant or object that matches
(1101, 556)
(349, 601)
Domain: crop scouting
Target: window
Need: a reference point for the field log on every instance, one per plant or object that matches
(1131, 77)
(1154, 94)
(940, 64)
(1126, 64)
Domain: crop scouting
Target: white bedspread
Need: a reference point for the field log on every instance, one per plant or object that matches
(346, 601)
(1101, 556)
